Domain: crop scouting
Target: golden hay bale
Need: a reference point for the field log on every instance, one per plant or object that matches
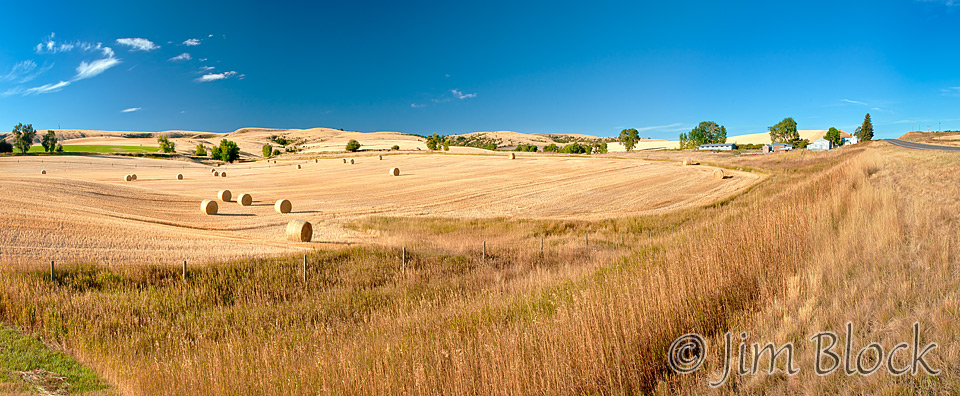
(133, 176)
(718, 174)
(216, 174)
(298, 166)
(688, 161)
(380, 157)
(316, 161)
(351, 160)
(212, 170)
(43, 171)
(224, 195)
(395, 171)
(179, 176)
(208, 206)
(299, 231)
(244, 199)
(513, 155)
(223, 174)
(283, 206)
(344, 160)
(127, 178)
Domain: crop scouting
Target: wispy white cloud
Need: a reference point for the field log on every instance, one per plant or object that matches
(950, 91)
(460, 95)
(131, 110)
(203, 59)
(182, 57)
(853, 102)
(138, 44)
(948, 3)
(93, 69)
(49, 45)
(191, 42)
(216, 76)
(206, 68)
(47, 88)
(659, 127)
(416, 105)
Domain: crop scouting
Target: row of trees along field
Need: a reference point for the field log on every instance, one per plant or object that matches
(23, 136)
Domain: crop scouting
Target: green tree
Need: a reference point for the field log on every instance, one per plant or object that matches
(600, 148)
(446, 145)
(866, 130)
(227, 151)
(629, 137)
(551, 148)
(353, 145)
(49, 142)
(267, 150)
(166, 145)
(785, 131)
(433, 141)
(575, 148)
(705, 133)
(276, 152)
(59, 148)
(833, 136)
(23, 137)
(201, 152)
(395, 147)
(5, 146)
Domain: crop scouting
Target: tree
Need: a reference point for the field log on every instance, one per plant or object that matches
(23, 137)
(705, 133)
(267, 150)
(446, 145)
(227, 151)
(201, 152)
(59, 148)
(276, 152)
(395, 147)
(551, 148)
(166, 145)
(865, 130)
(833, 136)
(353, 145)
(433, 141)
(49, 142)
(600, 148)
(5, 147)
(629, 138)
(785, 131)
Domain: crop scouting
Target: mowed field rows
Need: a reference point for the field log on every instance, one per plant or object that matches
(82, 210)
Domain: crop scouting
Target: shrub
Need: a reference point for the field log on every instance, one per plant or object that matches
(226, 152)
(276, 152)
(353, 145)
(551, 148)
(395, 147)
(267, 150)
(5, 147)
(165, 145)
(59, 148)
(201, 152)
(527, 147)
(576, 148)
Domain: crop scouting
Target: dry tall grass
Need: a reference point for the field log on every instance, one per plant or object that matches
(794, 254)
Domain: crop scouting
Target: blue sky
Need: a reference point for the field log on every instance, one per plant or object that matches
(453, 67)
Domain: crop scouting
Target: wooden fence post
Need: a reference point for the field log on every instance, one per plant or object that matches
(304, 268)
(403, 260)
(484, 250)
(53, 274)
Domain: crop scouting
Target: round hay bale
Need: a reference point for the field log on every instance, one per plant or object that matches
(299, 231)
(351, 161)
(718, 174)
(179, 176)
(216, 174)
(127, 178)
(298, 166)
(244, 199)
(395, 172)
(344, 160)
(380, 157)
(223, 174)
(283, 206)
(316, 161)
(513, 155)
(208, 206)
(133, 176)
(224, 195)
(43, 171)
(687, 161)
(212, 170)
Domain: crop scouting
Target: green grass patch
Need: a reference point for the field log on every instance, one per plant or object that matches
(19, 352)
(96, 148)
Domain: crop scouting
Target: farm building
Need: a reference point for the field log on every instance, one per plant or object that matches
(820, 144)
(718, 147)
(850, 140)
(776, 148)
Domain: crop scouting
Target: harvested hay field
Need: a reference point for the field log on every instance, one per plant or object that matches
(88, 213)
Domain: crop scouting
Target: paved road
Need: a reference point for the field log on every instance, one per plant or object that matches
(921, 146)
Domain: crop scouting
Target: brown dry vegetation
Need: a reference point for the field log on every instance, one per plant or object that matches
(939, 138)
(861, 234)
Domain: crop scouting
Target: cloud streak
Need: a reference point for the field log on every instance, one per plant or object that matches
(93, 69)
(191, 42)
(138, 44)
(854, 102)
(131, 110)
(47, 88)
(460, 95)
(182, 57)
(216, 76)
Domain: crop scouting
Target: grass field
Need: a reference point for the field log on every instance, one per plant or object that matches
(28, 365)
(94, 148)
(864, 234)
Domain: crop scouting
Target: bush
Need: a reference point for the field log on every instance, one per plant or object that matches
(5, 147)
(201, 152)
(276, 152)
(395, 147)
(576, 148)
(527, 147)
(600, 148)
(227, 151)
(166, 145)
(267, 150)
(551, 148)
(353, 145)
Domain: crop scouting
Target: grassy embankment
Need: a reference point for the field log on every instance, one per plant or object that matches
(831, 237)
